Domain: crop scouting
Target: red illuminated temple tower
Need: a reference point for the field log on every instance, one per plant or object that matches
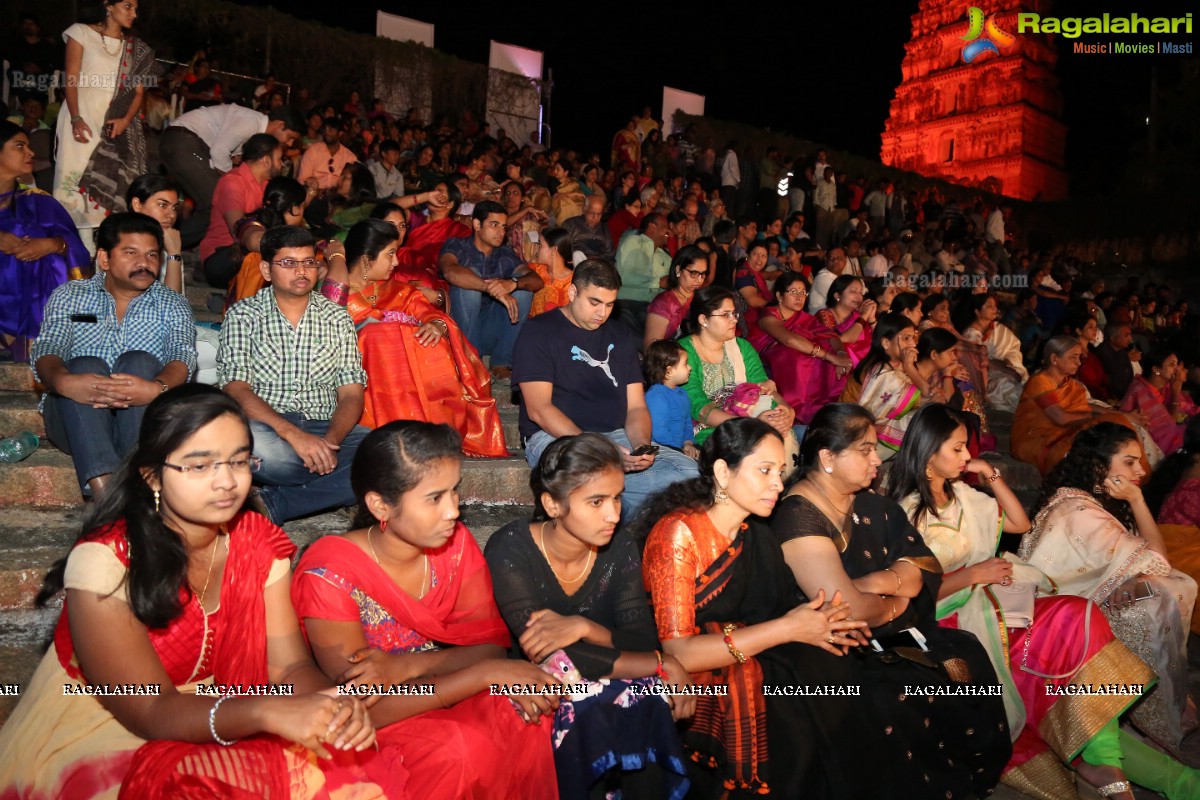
(995, 123)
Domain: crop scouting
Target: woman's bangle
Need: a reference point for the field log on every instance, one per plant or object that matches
(659, 671)
(331, 255)
(334, 292)
(706, 413)
(441, 323)
(895, 575)
(738, 656)
(995, 476)
(212, 722)
(892, 601)
(62, 251)
(438, 695)
(441, 298)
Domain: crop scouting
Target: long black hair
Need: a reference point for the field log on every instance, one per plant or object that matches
(688, 254)
(281, 196)
(158, 558)
(1086, 466)
(931, 426)
(567, 464)
(1173, 467)
(392, 458)
(888, 326)
(731, 442)
(839, 286)
(836, 427)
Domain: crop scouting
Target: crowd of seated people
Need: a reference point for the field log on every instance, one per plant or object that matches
(378, 276)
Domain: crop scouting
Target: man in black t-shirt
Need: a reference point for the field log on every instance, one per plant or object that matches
(579, 371)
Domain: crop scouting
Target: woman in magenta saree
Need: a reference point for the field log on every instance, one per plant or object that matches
(850, 314)
(804, 357)
(1052, 644)
(406, 598)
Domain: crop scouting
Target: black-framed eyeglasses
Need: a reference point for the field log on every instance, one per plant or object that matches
(237, 466)
(696, 273)
(293, 264)
(730, 314)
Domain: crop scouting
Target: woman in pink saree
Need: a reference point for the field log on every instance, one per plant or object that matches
(850, 314)
(806, 359)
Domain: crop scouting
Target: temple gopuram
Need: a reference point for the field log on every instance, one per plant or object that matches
(978, 104)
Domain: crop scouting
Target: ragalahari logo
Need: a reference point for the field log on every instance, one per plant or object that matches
(992, 42)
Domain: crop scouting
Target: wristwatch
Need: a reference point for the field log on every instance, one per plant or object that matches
(176, 257)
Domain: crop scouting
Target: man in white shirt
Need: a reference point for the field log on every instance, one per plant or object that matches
(389, 182)
(994, 232)
(881, 262)
(835, 265)
(199, 147)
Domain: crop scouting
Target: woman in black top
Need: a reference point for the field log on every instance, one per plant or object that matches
(569, 586)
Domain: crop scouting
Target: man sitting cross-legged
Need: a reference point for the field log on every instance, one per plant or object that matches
(578, 371)
(109, 345)
(290, 358)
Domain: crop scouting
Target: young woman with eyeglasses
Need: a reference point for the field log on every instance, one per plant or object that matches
(666, 312)
(174, 583)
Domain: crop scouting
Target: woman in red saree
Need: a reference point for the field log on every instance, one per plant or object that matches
(174, 587)
(805, 358)
(418, 259)
(1158, 394)
(419, 363)
(406, 598)
(850, 315)
(1067, 642)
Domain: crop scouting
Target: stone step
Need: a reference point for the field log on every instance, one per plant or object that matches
(47, 479)
(15, 377)
(24, 636)
(33, 539)
(19, 412)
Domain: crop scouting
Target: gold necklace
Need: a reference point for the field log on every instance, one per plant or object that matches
(104, 40)
(542, 546)
(211, 560)
(832, 505)
(424, 572)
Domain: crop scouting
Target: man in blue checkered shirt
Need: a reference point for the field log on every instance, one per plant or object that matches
(109, 345)
(290, 358)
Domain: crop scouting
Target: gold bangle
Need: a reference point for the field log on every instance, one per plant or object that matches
(727, 629)
(895, 575)
(331, 255)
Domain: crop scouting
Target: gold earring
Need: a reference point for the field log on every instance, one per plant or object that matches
(928, 473)
(720, 495)
(156, 501)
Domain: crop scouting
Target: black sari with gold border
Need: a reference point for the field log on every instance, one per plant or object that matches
(937, 746)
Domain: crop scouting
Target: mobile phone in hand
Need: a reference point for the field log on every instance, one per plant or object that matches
(645, 450)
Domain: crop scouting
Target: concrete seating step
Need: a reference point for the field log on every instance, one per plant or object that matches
(15, 377)
(47, 479)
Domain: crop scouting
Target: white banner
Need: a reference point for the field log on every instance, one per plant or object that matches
(679, 100)
(512, 107)
(403, 29)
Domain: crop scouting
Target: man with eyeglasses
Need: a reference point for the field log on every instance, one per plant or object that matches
(491, 287)
(110, 345)
(290, 358)
(589, 234)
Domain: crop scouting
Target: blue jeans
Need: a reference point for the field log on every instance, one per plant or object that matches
(97, 438)
(484, 321)
(670, 466)
(289, 490)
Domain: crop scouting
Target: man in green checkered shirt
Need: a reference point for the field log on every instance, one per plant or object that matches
(290, 358)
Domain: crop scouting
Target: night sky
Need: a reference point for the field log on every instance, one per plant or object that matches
(825, 71)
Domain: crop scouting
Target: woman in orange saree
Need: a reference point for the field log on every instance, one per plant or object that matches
(1054, 408)
(420, 366)
(177, 607)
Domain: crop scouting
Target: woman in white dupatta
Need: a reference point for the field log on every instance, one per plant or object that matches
(1096, 538)
(1006, 369)
(1039, 643)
